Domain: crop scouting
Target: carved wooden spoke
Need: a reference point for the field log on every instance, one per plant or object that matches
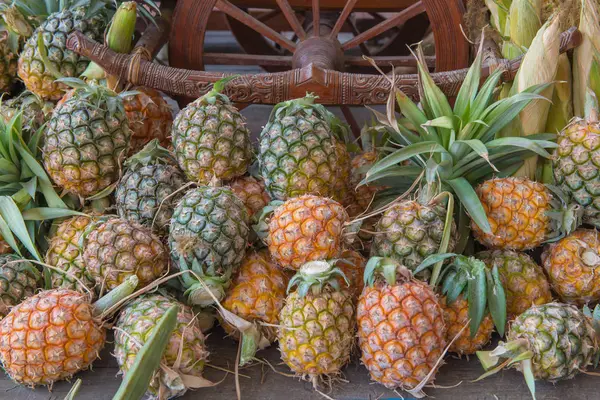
(290, 16)
(316, 12)
(384, 26)
(250, 21)
(342, 18)
(264, 18)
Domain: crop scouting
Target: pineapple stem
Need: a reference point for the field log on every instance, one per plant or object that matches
(147, 361)
(116, 295)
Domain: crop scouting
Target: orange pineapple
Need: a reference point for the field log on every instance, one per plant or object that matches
(306, 228)
(252, 193)
(257, 293)
(456, 316)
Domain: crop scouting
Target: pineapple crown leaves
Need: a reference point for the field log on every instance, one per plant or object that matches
(594, 317)
(260, 223)
(481, 288)
(197, 292)
(458, 146)
(307, 104)
(215, 94)
(315, 276)
(566, 216)
(152, 153)
(388, 268)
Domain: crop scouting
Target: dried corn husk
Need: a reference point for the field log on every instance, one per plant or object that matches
(539, 66)
(523, 22)
(584, 55)
(498, 13)
(561, 110)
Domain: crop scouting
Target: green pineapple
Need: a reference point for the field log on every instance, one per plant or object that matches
(208, 235)
(87, 139)
(19, 279)
(211, 139)
(35, 111)
(185, 353)
(145, 194)
(552, 342)
(301, 151)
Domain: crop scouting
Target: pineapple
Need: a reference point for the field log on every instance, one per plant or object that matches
(456, 316)
(146, 193)
(35, 111)
(257, 293)
(40, 78)
(516, 209)
(573, 267)
(401, 330)
(208, 235)
(574, 165)
(86, 140)
(55, 334)
(306, 228)
(211, 139)
(300, 151)
(185, 354)
(116, 248)
(352, 264)
(149, 116)
(551, 342)
(317, 323)
(19, 280)
(409, 232)
(474, 296)
(523, 279)
(450, 150)
(252, 192)
(65, 253)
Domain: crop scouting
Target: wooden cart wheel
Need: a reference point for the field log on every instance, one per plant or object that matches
(314, 54)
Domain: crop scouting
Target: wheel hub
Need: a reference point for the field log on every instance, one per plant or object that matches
(320, 51)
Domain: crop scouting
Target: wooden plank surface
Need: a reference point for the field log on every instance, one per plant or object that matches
(264, 384)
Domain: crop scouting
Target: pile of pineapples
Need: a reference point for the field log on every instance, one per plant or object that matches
(416, 238)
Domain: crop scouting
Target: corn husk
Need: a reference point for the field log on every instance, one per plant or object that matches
(539, 66)
(584, 56)
(498, 13)
(561, 110)
(523, 22)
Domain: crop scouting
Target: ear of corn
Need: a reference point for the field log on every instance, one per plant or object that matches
(539, 66)
(586, 55)
(522, 24)
(561, 110)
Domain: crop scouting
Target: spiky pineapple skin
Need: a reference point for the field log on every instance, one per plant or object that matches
(561, 338)
(576, 166)
(523, 279)
(401, 332)
(257, 293)
(211, 141)
(49, 337)
(8, 68)
(34, 112)
(306, 228)
(516, 209)
(149, 116)
(298, 155)
(211, 226)
(146, 194)
(136, 323)
(55, 31)
(65, 253)
(456, 317)
(316, 332)
(352, 264)
(410, 232)
(572, 277)
(85, 146)
(363, 194)
(117, 249)
(18, 281)
(252, 192)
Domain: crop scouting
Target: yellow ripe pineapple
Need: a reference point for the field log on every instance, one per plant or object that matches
(573, 267)
(523, 279)
(456, 316)
(257, 293)
(519, 213)
(306, 228)
(252, 193)
(317, 323)
(352, 264)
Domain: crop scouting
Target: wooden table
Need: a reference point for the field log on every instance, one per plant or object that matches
(264, 384)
